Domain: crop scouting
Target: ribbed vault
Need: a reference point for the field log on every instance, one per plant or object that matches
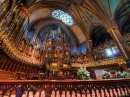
(86, 13)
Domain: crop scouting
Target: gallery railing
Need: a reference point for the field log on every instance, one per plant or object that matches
(65, 88)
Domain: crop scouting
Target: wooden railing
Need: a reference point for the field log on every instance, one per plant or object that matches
(65, 88)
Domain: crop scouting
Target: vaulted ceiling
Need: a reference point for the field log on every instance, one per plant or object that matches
(87, 14)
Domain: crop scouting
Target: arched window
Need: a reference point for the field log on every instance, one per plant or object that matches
(64, 17)
(108, 52)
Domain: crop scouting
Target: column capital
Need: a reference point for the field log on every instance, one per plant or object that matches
(113, 27)
(89, 41)
(25, 9)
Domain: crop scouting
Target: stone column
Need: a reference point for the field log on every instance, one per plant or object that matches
(116, 35)
(48, 90)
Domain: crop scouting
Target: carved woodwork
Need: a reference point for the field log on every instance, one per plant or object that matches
(91, 88)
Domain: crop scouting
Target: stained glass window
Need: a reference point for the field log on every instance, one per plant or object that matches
(115, 50)
(108, 52)
(64, 17)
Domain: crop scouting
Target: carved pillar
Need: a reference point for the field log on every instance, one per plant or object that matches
(14, 67)
(30, 70)
(10, 66)
(6, 65)
(25, 70)
(26, 46)
(48, 90)
(115, 33)
(3, 64)
(25, 10)
(126, 40)
(16, 22)
(19, 38)
(1, 94)
(4, 8)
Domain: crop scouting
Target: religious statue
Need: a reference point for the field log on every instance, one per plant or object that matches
(22, 46)
(29, 50)
(85, 59)
(49, 54)
(37, 54)
(78, 59)
(59, 53)
(67, 55)
(1, 25)
(55, 54)
(73, 59)
(46, 54)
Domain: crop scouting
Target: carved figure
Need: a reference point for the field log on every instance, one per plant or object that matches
(22, 46)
